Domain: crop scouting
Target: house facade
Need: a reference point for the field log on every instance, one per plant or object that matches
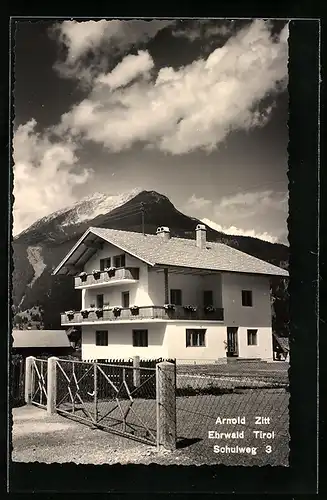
(156, 296)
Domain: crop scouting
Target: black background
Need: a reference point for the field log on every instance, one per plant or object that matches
(304, 177)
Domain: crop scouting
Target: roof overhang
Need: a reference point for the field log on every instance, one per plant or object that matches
(83, 250)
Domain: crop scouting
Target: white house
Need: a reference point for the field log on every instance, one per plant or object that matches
(158, 296)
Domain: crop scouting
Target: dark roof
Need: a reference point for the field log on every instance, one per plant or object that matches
(40, 338)
(177, 252)
(283, 342)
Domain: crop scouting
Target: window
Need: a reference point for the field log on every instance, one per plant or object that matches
(252, 337)
(208, 298)
(176, 297)
(247, 298)
(105, 263)
(125, 299)
(99, 301)
(195, 338)
(119, 260)
(101, 337)
(140, 338)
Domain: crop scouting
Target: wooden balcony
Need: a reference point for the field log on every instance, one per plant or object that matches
(105, 278)
(145, 313)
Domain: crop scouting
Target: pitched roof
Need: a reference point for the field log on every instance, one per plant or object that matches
(179, 252)
(283, 342)
(40, 338)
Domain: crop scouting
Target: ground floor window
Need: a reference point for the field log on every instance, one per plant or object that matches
(101, 337)
(195, 337)
(140, 338)
(252, 337)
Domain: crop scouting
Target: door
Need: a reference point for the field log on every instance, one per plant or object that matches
(125, 299)
(100, 301)
(207, 298)
(232, 344)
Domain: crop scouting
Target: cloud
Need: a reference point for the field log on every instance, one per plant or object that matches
(194, 107)
(197, 203)
(44, 176)
(245, 204)
(130, 68)
(203, 29)
(240, 232)
(85, 45)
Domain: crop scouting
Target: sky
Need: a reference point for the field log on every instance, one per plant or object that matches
(195, 109)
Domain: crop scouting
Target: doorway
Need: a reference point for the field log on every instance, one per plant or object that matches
(125, 299)
(232, 342)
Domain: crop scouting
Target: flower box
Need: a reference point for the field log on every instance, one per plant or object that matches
(111, 271)
(83, 276)
(209, 309)
(189, 308)
(99, 313)
(85, 313)
(135, 310)
(116, 311)
(169, 307)
(96, 274)
(70, 314)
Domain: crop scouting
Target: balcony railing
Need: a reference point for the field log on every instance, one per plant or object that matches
(141, 313)
(104, 278)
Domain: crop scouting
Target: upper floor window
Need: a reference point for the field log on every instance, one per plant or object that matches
(99, 301)
(252, 337)
(208, 298)
(125, 299)
(101, 337)
(119, 260)
(140, 338)
(247, 299)
(176, 297)
(104, 263)
(195, 337)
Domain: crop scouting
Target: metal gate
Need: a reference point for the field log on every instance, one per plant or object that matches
(39, 382)
(117, 398)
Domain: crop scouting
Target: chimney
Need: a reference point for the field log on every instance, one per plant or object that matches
(163, 232)
(201, 236)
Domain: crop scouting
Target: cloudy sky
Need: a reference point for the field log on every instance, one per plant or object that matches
(196, 110)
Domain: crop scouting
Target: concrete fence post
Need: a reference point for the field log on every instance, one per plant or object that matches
(52, 385)
(136, 371)
(166, 405)
(29, 379)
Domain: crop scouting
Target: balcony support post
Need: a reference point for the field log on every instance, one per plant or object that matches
(166, 286)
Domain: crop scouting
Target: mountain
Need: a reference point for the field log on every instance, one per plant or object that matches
(38, 249)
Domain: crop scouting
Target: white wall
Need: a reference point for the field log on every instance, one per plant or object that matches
(214, 338)
(257, 316)
(113, 293)
(262, 350)
(120, 342)
(192, 287)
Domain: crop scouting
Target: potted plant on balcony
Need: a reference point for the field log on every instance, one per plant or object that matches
(85, 313)
(116, 310)
(135, 310)
(111, 271)
(170, 309)
(209, 309)
(190, 309)
(99, 313)
(96, 274)
(83, 276)
(70, 315)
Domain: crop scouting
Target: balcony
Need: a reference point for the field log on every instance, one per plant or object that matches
(107, 278)
(142, 313)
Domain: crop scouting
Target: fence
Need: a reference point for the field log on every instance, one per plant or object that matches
(236, 414)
